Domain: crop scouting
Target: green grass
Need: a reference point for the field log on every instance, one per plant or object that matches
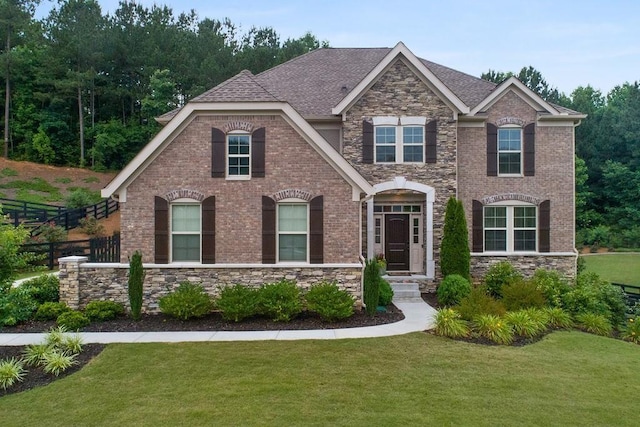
(568, 378)
(618, 268)
(91, 179)
(63, 180)
(36, 190)
(8, 172)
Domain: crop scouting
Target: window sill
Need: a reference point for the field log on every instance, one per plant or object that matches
(239, 178)
(510, 175)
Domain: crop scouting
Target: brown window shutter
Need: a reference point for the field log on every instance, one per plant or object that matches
(367, 142)
(268, 230)
(492, 150)
(478, 226)
(218, 157)
(161, 208)
(258, 153)
(316, 230)
(431, 133)
(544, 226)
(530, 149)
(209, 230)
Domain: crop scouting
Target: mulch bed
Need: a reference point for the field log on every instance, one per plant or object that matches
(36, 377)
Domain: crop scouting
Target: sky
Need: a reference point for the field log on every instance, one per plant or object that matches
(572, 43)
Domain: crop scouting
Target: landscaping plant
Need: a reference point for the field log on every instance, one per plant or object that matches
(56, 361)
(44, 288)
(552, 284)
(631, 332)
(103, 310)
(16, 305)
(558, 318)
(371, 292)
(386, 293)
(51, 310)
(594, 323)
(520, 293)
(280, 301)
(11, 371)
(329, 301)
(449, 324)
(188, 301)
(493, 328)
(479, 302)
(452, 289)
(73, 320)
(136, 280)
(498, 275)
(591, 294)
(523, 324)
(454, 251)
(237, 302)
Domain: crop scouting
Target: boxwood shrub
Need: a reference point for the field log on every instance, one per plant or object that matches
(329, 301)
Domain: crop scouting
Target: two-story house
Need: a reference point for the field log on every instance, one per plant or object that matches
(339, 154)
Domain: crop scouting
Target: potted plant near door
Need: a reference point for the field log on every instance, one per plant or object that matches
(382, 264)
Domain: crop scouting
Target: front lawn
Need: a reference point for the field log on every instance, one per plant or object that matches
(568, 378)
(617, 268)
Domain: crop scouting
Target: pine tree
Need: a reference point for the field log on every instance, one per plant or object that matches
(454, 252)
(136, 279)
(371, 286)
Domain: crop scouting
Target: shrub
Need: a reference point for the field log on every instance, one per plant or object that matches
(330, 302)
(16, 306)
(237, 302)
(631, 332)
(493, 328)
(454, 251)
(11, 371)
(591, 294)
(449, 324)
(51, 310)
(45, 288)
(452, 289)
(103, 310)
(371, 292)
(56, 362)
(81, 197)
(73, 320)
(386, 293)
(479, 302)
(594, 323)
(52, 233)
(524, 324)
(91, 226)
(188, 301)
(519, 294)
(136, 281)
(558, 318)
(498, 275)
(280, 301)
(552, 285)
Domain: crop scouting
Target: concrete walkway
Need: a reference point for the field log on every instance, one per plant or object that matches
(419, 316)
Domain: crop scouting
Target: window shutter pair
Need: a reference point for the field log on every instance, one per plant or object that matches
(161, 207)
(528, 149)
(544, 228)
(316, 230)
(431, 141)
(219, 155)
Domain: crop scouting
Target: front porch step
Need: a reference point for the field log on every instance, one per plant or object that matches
(405, 291)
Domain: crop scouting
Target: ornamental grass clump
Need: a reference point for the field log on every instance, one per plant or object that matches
(237, 302)
(558, 318)
(11, 371)
(631, 331)
(493, 328)
(449, 324)
(56, 361)
(188, 301)
(524, 325)
(594, 323)
(329, 301)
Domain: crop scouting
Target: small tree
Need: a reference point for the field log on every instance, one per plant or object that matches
(454, 252)
(371, 286)
(11, 258)
(136, 279)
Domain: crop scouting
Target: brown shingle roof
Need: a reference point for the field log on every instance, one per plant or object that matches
(239, 88)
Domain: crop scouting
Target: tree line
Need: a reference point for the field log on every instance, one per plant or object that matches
(83, 87)
(607, 158)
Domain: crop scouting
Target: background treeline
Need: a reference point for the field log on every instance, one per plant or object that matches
(82, 87)
(608, 159)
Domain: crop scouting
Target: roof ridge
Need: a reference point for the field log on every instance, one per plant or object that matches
(458, 71)
(253, 79)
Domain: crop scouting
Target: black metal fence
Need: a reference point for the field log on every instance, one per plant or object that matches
(631, 291)
(97, 249)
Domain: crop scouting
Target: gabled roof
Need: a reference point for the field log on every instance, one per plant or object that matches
(240, 88)
(401, 51)
(185, 115)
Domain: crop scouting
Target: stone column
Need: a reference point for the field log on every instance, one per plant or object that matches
(70, 280)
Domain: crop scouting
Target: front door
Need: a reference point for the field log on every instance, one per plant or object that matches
(397, 242)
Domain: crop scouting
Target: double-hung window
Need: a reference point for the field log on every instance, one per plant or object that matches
(510, 151)
(399, 139)
(510, 228)
(238, 155)
(293, 235)
(185, 232)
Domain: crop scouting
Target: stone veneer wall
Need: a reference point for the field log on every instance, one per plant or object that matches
(527, 265)
(82, 282)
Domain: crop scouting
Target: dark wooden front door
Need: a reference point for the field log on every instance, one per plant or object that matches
(397, 242)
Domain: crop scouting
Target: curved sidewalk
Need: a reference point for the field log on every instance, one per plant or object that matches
(419, 316)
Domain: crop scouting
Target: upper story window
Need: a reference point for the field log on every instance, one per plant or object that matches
(185, 232)
(510, 151)
(399, 140)
(238, 155)
(510, 228)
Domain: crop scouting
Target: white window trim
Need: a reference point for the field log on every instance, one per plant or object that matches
(510, 227)
(511, 126)
(184, 202)
(421, 144)
(228, 156)
(291, 201)
(399, 144)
